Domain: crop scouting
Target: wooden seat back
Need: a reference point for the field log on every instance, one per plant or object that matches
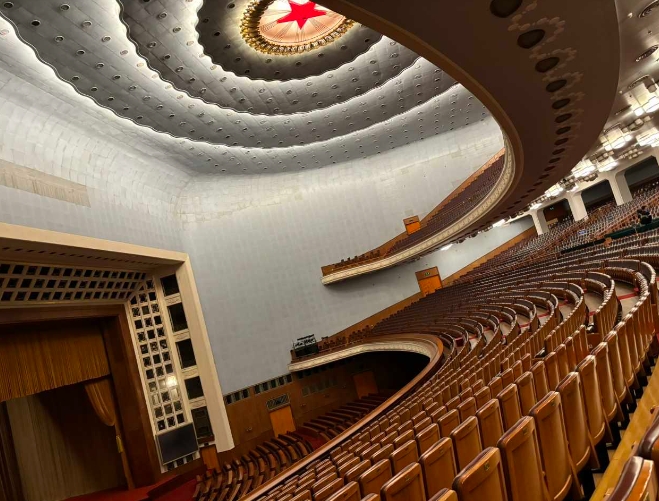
(467, 408)
(490, 423)
(637, 482)
(482, 478)
(610, 404)
(372, 480)
(520, 456)
(526, 392)
(404, 455)
(574, 417)
(482, 396)
(406, 485)
(356, 471)
(448, 422)
(466, 442)
(592, 397)
(427, 437)
(349, 492)
(328, 490)
(554, 452)
(615, 362)
(438, 466)
(540, 381)
(383, 453)
(553, 374)
(509, 404)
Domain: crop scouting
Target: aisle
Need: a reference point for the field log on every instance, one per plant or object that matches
(640, 420)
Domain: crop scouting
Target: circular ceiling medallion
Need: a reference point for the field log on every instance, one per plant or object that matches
(288, 27)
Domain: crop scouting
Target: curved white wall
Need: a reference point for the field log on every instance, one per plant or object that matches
(256, 242)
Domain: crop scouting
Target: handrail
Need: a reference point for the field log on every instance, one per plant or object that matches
(430, 369)
(501, 187)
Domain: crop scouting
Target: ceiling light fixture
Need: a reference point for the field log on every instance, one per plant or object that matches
(446, 247)
(606, 164)
(615, 138)
(584, 168)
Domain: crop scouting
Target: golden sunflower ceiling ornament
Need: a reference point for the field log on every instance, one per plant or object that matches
(289, 27)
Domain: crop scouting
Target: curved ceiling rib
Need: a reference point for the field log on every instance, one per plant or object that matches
(548, 84)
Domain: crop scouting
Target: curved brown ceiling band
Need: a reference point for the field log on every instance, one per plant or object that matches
(490, 55)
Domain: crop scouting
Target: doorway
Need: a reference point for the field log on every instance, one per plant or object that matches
(282, 420)
(365, 384)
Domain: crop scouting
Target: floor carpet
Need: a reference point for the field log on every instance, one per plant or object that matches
(182, 493)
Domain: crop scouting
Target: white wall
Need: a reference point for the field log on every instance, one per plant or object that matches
(256, 242)
(257, 245)
(132, 193)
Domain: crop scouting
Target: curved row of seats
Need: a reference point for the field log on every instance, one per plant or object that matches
(457, 205)
(525, 414)
(241, 475)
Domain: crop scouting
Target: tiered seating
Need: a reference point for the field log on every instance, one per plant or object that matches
(523, 415)
(244, 474)
(456, 206)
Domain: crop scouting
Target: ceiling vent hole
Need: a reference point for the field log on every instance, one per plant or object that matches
(556, 85)
(530, 38)
(562, 118)
(504, 8)
(561, 103)
(546, 64)
(36, 23)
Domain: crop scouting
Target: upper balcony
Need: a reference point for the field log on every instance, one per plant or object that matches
(454, 217)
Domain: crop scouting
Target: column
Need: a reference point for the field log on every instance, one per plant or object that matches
(577, 206)
(540, 222)
(619, 187)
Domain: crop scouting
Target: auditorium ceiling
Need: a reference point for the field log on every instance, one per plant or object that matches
(263, 86)
(265, 81)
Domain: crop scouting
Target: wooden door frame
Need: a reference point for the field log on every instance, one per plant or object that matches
(139, 443)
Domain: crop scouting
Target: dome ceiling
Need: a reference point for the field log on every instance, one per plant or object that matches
(193, 70)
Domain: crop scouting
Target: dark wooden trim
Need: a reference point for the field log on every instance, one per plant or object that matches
(135, 421)
(59, 312)
(139, 443)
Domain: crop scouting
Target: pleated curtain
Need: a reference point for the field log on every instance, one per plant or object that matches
(36, 358)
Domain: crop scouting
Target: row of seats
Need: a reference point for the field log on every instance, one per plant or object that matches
(466, 438)
(525, 357)
(240, 475)
(457, 205)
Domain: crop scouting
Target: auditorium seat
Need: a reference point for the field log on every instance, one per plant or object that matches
(406, 485)
(372, 480)
(349, 492)
(445, 495)
(407, 453)
(466, 441)
(426, 438)
(522, 467)
(637, 482)
(482, 478)
(554, 451)
(438, 466)
(490, 423)
(448, 422)
(509, 405)
(383, 453)
(356, 471)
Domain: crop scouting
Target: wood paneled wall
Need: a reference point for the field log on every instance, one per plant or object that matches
(249, 418)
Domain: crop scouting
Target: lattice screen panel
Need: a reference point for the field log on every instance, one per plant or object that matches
(157, 362)
(22, 284)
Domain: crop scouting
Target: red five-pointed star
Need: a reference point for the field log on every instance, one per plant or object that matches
(301, 13)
